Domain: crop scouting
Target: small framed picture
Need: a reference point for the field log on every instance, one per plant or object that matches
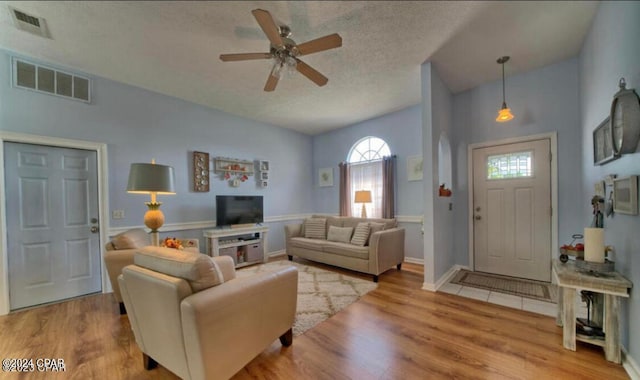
(414, 168)
(325, 177)
(603, 143)
(625, 195)
(264, 175)
(264, 183)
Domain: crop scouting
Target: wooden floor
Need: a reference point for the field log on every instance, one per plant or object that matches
(397, 331)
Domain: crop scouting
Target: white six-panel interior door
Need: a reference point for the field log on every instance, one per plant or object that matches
(53, 244)
(512, 209)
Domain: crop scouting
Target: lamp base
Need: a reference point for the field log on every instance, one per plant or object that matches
(364, 212)
(154, 219)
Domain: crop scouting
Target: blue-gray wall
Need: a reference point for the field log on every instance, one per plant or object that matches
(611, 51)
(543, 100)
(402, 132)
(139, 125)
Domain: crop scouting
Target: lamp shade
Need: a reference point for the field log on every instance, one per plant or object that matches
(504, 114)
(363, 196)
(151, 178)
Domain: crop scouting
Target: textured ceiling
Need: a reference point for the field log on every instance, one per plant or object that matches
(173, 48)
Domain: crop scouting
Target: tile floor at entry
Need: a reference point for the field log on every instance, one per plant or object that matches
(508, 300)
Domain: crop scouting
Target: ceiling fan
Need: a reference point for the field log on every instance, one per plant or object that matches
(285, 52)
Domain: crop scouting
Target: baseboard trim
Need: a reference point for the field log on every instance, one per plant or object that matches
(413, 260)
(443, 279)
(630, 365)
(279, 253)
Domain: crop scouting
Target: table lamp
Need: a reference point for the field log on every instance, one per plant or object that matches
(363, 196)
(152, 179)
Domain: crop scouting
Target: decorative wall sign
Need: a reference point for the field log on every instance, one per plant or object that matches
(625, 195)
(201, 172)
(325, 177)
(414, 168)
(233, 170)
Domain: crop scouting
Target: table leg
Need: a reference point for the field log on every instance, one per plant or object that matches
(569, 318)
(560, 308)
(597, 309)
(612, 328)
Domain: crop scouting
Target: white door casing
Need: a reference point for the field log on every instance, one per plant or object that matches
(101, 150)
(512, 227)
(52, 224)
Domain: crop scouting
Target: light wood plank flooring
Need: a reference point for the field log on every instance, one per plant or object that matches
(397, 331)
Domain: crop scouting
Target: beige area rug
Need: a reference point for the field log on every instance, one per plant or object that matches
(538, 290)
(321, 293)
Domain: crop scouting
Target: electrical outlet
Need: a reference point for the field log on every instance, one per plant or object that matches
(117, 214)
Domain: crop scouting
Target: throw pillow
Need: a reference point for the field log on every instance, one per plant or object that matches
(361, 234)
(315, 228)
(339, 234)
(374, 227)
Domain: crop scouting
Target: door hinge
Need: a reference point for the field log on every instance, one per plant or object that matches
(550, 157)
(551, 211)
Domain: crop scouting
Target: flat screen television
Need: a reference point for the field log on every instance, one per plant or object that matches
(238, 209)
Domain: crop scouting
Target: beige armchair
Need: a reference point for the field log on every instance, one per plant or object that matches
(190, 313)
(119, 253)
(120, 250)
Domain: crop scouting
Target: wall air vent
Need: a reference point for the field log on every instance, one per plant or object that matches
(47, 80)
(29, 23)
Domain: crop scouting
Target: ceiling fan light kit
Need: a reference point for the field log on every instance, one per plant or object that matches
(504, 114)
(285, 52)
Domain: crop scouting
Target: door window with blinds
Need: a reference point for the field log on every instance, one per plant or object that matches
(510, 165)
(365, 158)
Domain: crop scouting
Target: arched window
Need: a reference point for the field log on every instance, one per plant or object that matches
(365, 159)
(368, 149)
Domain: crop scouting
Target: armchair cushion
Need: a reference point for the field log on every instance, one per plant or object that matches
(135, 238)
(199, 270)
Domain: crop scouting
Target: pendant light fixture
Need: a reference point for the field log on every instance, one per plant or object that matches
(504, 114)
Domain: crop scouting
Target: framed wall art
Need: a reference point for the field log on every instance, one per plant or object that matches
(625, 195)
(325, 177)
(200, 172)
(414, 168)
(603, 143)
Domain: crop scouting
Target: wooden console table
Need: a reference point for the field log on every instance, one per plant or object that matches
(611, 287)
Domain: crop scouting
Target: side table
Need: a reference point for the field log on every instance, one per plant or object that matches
(611, 286)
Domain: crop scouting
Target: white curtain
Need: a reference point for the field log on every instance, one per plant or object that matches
(367, 176)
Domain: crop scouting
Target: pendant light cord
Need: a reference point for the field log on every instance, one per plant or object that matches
(503, 96)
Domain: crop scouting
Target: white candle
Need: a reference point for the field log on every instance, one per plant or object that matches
(594, 245)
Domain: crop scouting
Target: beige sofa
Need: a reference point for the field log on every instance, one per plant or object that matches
(384, 247)
(190, 313)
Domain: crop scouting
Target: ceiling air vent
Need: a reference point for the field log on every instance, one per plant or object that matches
(29, 23)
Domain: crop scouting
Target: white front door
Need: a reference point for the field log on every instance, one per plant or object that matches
(512, 209)
(52, 223)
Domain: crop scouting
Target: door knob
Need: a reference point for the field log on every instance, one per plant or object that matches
(478, 217)
(94, 229)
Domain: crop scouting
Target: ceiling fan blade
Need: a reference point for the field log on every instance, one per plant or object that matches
(243, 56)
(311, 73)
(268, 26)
(320, 44)
(271, 83)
